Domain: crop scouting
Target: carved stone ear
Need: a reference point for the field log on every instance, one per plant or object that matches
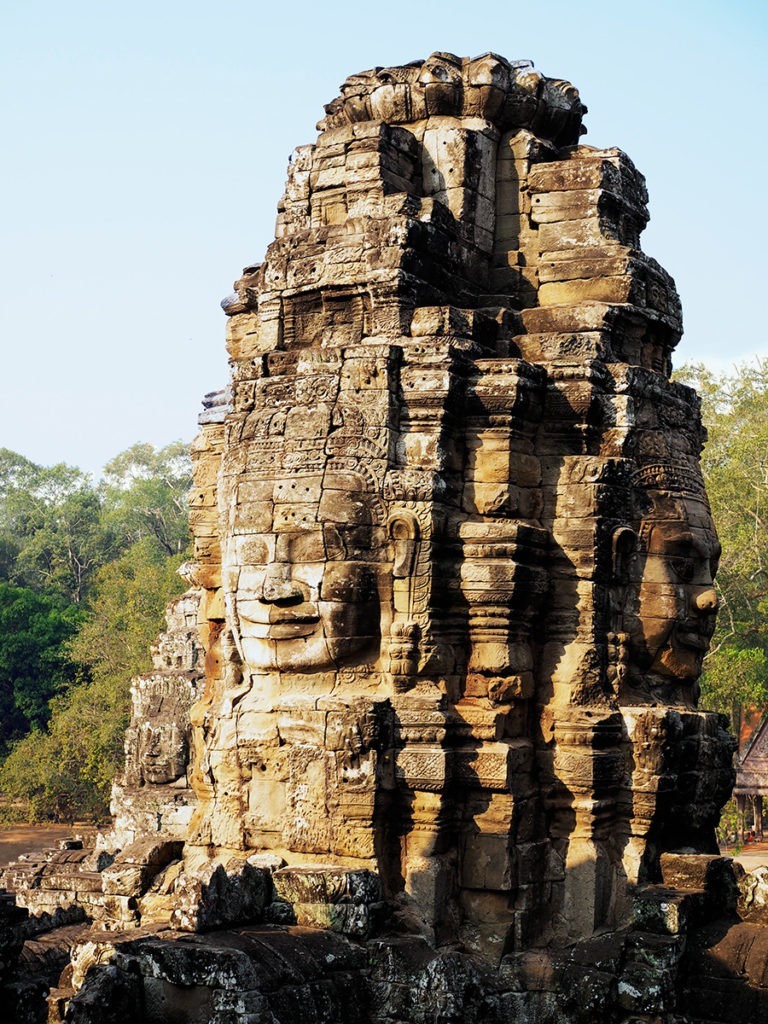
(404, 534)
(623, 547)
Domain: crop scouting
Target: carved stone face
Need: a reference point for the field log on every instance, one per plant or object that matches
(163, 753)
(307, 596)
(673, 615)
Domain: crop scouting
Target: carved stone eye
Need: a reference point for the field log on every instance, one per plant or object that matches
(683, 567)
(335, 548)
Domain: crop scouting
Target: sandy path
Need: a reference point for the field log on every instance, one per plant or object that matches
(18, 839)
(751, 855)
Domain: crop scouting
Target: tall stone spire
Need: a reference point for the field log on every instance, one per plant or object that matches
(451, 529)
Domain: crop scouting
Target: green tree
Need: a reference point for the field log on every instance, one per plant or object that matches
(35, 664)
(53, 535)
(16, 474)
(57, 529)
(79, 754)
(88, 571)
(126, 611)
(16, 470)
(145, 491)
(64, 772)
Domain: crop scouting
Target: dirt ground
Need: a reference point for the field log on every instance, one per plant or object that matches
(751, 855)
(18, 839)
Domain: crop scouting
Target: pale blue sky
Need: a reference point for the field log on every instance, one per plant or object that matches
(145, 148)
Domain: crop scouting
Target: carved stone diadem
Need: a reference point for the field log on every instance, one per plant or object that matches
(676, 479)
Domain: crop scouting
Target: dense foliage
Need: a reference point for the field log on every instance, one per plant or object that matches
(35, 662)
(735, 466)
(85, 573)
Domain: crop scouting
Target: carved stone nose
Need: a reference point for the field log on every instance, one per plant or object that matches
(278, 585)
(705, 600)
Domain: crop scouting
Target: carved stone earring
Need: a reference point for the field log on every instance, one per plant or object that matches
(404, 654)
(617, 648)
(404, 633)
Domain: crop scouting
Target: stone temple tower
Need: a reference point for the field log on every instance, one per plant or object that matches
(450, 526)
(421, 745)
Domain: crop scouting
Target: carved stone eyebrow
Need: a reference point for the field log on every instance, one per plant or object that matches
(663, 539)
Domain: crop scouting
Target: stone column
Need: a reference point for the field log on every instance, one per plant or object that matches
(588, 769)
(741, 813)
(758, 804)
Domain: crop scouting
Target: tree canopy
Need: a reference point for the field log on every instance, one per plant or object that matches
(145, 495)
(35, 662)
(85, 573)
(58, 528)
(52, 534)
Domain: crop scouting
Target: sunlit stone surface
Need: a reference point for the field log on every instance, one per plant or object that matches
(455, 561)
(450, 522)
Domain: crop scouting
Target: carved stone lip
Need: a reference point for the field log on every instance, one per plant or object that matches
(693, 637)
(293, 628)
(265, 613)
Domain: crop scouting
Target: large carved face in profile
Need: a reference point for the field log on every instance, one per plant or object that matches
(307, 590)
(670, 616)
